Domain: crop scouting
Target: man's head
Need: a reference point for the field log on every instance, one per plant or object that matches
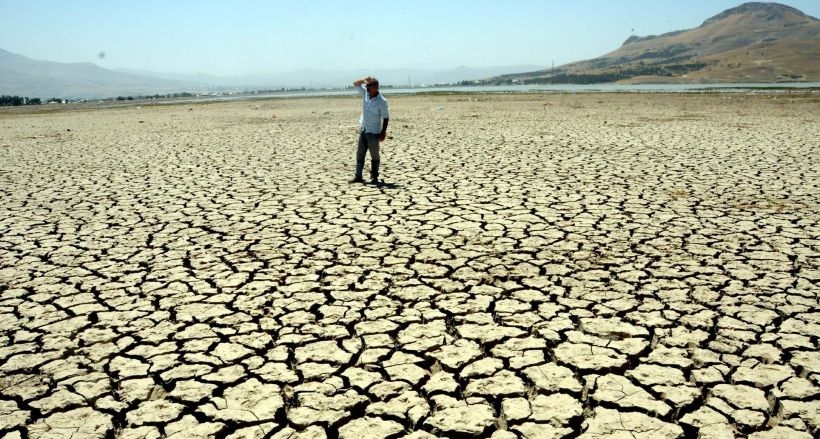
(373, 87)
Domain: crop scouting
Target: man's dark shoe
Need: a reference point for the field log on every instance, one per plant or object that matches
(357, 180)
(375, 182)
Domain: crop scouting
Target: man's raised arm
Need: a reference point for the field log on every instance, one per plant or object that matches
(359, 82)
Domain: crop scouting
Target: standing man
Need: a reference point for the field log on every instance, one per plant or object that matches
(373, 125)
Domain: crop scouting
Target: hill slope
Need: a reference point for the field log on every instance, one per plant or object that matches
(23, 76)
(754, 42)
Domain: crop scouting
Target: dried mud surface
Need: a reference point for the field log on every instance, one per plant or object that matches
(593, 265)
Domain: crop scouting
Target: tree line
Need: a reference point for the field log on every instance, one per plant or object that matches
(156, 96)
(16, 101)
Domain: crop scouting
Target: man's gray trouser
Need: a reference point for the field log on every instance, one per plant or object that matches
(368, 142)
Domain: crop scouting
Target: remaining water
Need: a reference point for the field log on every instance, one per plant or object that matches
(545, 88)
(605, 88)
(561, 88)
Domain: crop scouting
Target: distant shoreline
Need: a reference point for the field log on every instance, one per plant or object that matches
(555, 88)
(111, 103)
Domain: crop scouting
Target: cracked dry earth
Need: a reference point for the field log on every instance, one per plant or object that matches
(593, 265)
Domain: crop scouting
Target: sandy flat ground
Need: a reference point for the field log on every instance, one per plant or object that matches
(556, 265)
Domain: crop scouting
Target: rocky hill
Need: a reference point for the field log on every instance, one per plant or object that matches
(754, 42)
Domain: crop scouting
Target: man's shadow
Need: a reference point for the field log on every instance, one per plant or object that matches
(385, 185)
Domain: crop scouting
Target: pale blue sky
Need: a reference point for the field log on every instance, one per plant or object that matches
(248, 36)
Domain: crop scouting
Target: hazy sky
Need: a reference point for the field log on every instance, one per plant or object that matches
(233, 37)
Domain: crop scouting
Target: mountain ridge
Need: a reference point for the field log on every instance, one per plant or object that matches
(775, 11)
(22, 76)
(753, 42)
